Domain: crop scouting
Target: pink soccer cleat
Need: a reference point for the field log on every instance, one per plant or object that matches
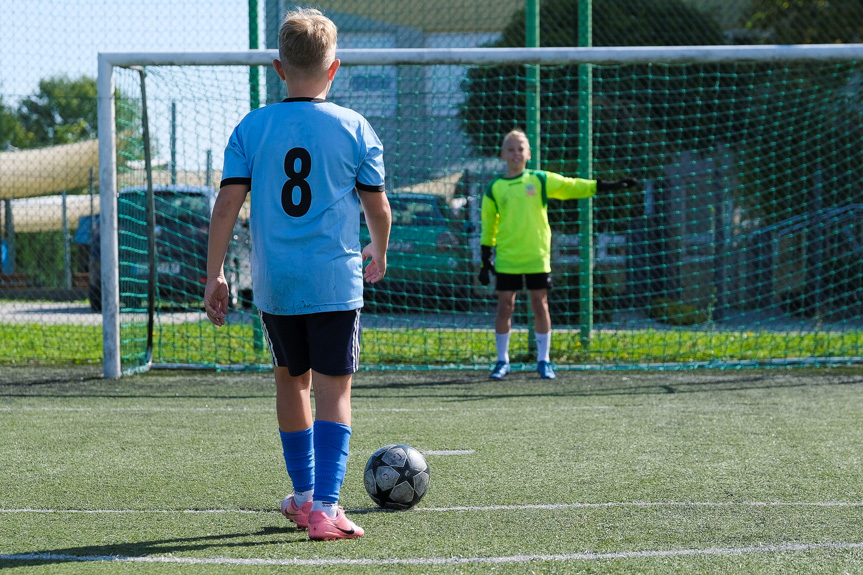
(298, 515)
(322, 528)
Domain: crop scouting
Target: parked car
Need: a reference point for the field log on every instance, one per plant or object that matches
(428, 261)
(181, 232)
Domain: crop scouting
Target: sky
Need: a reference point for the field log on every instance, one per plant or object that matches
(43, 38)
(46, 38)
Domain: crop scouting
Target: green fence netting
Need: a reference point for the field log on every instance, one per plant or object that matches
(746, 221)
(743, 246)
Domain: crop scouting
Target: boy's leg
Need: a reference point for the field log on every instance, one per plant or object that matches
(502, 328)
(505, 307)
(287, 341)
(542, 328)
(334, 343)
(293, 410)
(332, 439)
(332, 434)
(539, 306)
(293, 400)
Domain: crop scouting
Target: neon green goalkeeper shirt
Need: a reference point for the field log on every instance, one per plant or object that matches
(515, 218)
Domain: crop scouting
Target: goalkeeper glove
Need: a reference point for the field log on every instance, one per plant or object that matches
(610, 186)
(486, 268)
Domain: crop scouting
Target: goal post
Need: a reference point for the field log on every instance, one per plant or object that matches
(719, 135)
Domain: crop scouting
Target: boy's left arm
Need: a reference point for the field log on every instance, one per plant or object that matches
(376, 207)
(611, 185)
(562, 188)
(225, 211)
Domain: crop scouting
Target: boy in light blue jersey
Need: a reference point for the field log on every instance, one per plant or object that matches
(308, 164)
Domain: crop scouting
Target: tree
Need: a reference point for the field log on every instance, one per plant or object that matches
(807, 21)
(641, 112)
(64, 111)
(11, 131)
(61, 112)
(496, 100)
(805, 127)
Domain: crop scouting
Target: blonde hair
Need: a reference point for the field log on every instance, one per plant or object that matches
(515, 133)
(307, 42)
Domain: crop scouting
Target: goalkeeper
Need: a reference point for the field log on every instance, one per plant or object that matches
(515, 219)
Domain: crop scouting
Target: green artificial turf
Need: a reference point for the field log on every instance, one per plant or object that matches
(596, 472)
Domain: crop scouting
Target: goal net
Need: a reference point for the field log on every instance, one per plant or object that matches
(743, 246)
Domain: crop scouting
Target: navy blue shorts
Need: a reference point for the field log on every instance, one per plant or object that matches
(514, 282)
(327, 342)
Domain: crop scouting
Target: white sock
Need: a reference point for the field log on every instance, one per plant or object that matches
(331, 509)
(543, 346)
(301, 497)
(502, 340)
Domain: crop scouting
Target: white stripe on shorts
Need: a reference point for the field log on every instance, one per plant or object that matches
(356, 341)
(267, 338)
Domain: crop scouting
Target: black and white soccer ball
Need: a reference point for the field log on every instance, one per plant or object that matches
(396, 476)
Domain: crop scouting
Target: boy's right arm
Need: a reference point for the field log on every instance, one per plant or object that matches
(225, 211)
(488, 220)
(376, 207)
(488, 235)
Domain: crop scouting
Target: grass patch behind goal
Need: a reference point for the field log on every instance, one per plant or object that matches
(199, 343)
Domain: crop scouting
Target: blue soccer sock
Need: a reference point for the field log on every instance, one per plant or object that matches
(331, 459)
(298, 448)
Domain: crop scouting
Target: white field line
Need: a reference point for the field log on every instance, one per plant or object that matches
(157, 409)
(475, 508)
(715, 551)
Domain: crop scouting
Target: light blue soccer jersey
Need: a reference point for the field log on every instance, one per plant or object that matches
(304, 159)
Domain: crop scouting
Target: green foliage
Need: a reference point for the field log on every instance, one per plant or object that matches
(806, 21)
(641, 113)
(496, 99)
(788, 170)
(645, 114)
(61, 112)
(64, 111)
(12, 133)
(41, 258)
(618, 23)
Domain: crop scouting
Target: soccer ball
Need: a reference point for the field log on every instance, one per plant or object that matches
(396, 476)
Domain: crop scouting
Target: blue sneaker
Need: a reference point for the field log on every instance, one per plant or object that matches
(545, 370)
(501, 368)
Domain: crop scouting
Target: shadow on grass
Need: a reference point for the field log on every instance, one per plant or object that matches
(440, 385)
(87, 382)
(156, 548)
(600, 384)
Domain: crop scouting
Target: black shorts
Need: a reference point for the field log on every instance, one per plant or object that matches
(514, 282)
(328, 342)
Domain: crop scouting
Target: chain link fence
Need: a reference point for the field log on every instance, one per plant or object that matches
(49, 310)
